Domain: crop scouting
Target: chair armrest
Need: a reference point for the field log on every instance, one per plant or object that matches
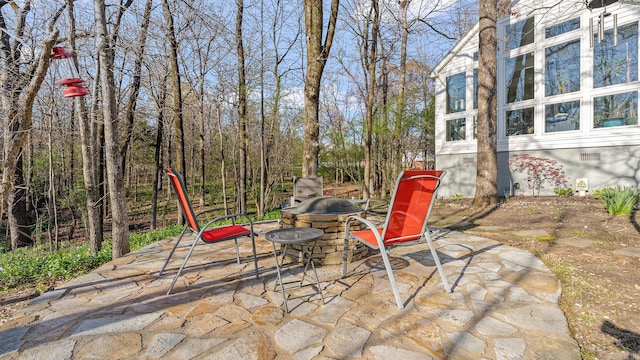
(230, 216)
(366, 222)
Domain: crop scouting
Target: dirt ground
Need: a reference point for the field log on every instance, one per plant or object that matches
(601, 289)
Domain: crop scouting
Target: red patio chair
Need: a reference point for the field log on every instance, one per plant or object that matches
(406, 221)
(206, 233)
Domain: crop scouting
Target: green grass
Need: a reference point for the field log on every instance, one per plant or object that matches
(37, 266)
(545, 238)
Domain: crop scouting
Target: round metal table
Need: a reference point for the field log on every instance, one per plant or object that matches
(291, 236)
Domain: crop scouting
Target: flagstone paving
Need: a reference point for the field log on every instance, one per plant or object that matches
(504, 305)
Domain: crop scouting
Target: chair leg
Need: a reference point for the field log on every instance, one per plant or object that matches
(255, 257)
(345, 254)
(237, 251)
(392, 279)
(174, 249)
(436, 259)
(195, 242)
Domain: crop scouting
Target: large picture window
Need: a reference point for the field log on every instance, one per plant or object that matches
(562, 68)
(475, 88)
(520, 122)
(519, 71)
(562, 116)
(456, 93)
(615, 110)
(456, 129)
(519, 34)
(616, 64)
(563, 27)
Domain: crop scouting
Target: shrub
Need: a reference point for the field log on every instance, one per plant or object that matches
(539, 171)
(618, 200)
(563, 191)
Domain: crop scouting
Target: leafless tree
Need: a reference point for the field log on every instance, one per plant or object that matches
(369, 53)
(134, 88)
(487, 168)
(318, 48)
(20, 87)
(176, 85)
(105, 47)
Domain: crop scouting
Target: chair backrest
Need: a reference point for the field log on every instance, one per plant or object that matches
(305, 188)
(412, 200)
(183, 199)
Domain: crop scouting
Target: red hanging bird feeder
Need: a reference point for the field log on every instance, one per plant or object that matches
(66, 70)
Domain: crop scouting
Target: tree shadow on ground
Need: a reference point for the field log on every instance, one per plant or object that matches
(625, 339)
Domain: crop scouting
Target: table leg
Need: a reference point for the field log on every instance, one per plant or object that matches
(309, 252)
(279, 278)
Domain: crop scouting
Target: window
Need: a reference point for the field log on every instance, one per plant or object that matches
(456, 90)
(456, 129)
(475, 127)
(519, 34)
(520, 122)
(562, 68)
(562, 116)
(520, 78)
(565, 27)
(615, 110)
(475, 88)
(616, 64)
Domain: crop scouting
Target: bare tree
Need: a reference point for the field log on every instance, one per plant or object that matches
(242, 111)
(178, 122)
(487, 162)
(90, 148)
(317, 54)
(105, 47)
(370, 55)
(134, 88)
(160, 99)
(19, 89)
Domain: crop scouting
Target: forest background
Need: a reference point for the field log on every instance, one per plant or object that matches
(214, 89)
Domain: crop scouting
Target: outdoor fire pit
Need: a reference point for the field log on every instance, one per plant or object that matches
(328, 214)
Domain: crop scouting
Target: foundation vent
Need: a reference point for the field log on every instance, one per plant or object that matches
(590, 157)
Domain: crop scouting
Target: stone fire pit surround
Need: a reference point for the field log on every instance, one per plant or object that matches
(328, 214)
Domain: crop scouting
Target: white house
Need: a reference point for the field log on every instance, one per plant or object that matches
(567, 91)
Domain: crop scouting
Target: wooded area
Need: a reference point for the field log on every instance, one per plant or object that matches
(237, 98)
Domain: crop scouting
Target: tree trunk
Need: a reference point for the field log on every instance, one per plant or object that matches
(487, 161)
(120, 221)
(134, 88)
(402, 98)
(242, 111)
(161, 101)
(19, 224)
(317, 55)
(51, 203)
(371, 49)
(90, 154)
(223, 172)
(177, 91)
